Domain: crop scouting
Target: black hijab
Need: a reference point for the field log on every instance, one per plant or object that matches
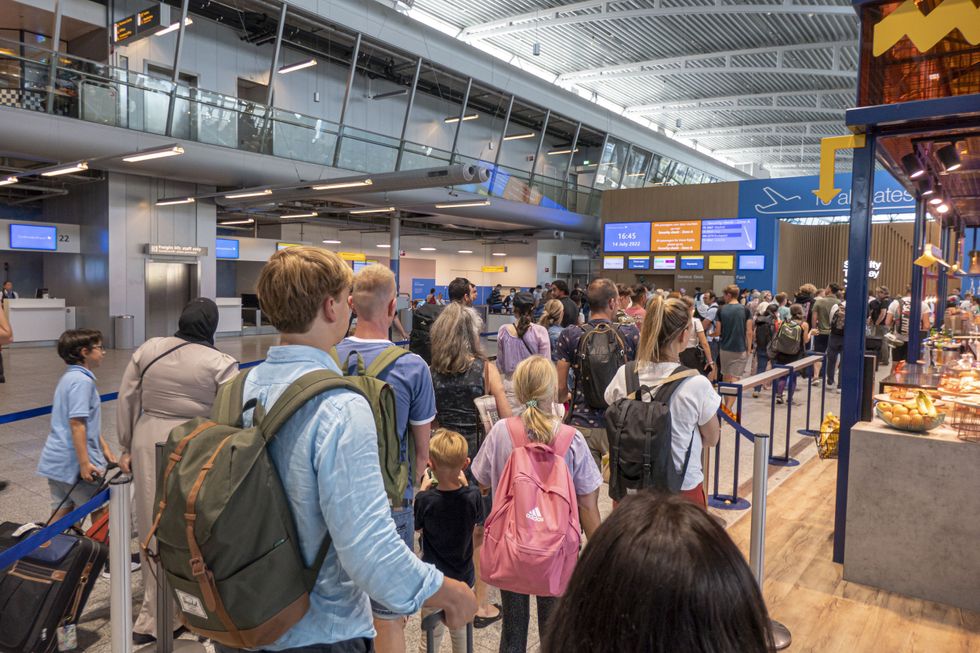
(198, 322)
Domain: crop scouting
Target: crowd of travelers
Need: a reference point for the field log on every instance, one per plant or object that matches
(414, 479)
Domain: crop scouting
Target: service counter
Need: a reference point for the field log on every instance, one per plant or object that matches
(913, 514)
(229, 315)
(36, 321)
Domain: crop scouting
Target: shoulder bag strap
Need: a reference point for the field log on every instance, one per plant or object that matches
(298, 393)
(385, 360)
(228, 404)
(632, 379)
(163, 355)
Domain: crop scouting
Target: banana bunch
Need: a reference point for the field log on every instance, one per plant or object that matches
(829, 436)
(915, 415)
(926, 408)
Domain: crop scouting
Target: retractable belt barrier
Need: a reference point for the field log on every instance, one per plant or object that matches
(736, 390)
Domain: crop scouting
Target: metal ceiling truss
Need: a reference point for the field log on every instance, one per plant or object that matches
(730, 101)
(771, 149)
(767, 129)
(595, 11)
(728, 58)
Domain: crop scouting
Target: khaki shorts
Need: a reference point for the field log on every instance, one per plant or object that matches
(733, 363)
(598, 441)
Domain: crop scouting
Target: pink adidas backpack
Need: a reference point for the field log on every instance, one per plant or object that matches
(533, 534)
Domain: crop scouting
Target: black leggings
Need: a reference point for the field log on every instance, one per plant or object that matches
(517, 615)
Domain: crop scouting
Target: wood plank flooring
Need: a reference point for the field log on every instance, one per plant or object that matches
(805, 590)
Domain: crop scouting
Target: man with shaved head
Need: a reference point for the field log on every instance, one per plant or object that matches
(373, 299)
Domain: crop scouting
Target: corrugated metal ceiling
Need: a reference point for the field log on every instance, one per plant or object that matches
(600, 41)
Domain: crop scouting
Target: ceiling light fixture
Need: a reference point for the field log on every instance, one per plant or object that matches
(234, 222)
(173, 27)
(171, 201)
(312, 214)
(74, 167)
(309, 63)
(383, 246)
(498, 254)
(463, 205)
(427, 249)
(8, 181)
(925, 187)
(518, 137)
(344, 184)
(453, 119)
(949, 157)
(465, 251)
(158, 153)
(910, 162)
(251, 193)
(331, 242)
(389, 94)
(387, 209)
(935, 201)
(563, 151)
(943, 208)
(635, 174)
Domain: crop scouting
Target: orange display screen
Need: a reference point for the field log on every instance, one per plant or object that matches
(682, 236)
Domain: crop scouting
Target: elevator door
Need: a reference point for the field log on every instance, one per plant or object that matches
(169, 286)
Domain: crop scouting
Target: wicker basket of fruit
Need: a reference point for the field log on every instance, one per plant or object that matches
(919, 416)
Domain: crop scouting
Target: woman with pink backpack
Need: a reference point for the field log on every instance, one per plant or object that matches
(545, 488)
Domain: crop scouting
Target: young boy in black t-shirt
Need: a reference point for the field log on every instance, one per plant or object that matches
(446, 511)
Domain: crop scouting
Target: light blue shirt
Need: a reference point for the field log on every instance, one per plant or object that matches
(327, 458)
(76, 397)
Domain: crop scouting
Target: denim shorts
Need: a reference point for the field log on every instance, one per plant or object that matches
(80, 495)
(405, 526)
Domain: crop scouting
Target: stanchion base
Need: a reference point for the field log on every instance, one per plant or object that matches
(812, 433)
(728, 502)
(780, 461)
(780, 635)
(179, 646)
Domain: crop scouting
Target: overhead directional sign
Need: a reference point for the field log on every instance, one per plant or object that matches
(828, 154)
(790, 197)
(140, 24)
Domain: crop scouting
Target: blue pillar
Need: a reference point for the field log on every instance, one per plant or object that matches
(915, 311)
(852, 362)
(942, 282)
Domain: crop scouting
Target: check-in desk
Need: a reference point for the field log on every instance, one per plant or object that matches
(36, 321)
(229, 315)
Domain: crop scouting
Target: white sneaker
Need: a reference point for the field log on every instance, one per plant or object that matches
(816, 383)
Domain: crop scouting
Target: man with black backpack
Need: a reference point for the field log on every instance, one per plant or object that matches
(595, 350)
(325, 457)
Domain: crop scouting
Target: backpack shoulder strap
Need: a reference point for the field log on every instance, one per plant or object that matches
(516, 431)
(228, 404)
(298, 393)
(163, 355)
(563, 440)
(632, 379)
(385, 360)
(668, 385)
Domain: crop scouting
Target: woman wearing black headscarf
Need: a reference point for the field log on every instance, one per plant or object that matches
(168, 381)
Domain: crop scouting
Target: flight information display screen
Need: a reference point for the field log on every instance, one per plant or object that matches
(225, 248)
(752, 262)
(737, 234)
(626, 237)
(33, 236)
(639, 263)
(612, 262)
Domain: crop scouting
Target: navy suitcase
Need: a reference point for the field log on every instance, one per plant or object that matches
(46, 590)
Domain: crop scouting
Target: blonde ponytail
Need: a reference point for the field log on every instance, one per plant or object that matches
(535, 385)
(665, 320)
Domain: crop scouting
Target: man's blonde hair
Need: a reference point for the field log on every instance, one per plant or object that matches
(374, 287)
(296, 281)
(448, 449)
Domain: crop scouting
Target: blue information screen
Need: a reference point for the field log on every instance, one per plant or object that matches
(626, 237)
(33, 236)
(225, 248)
(752, 262)
(692, 262)
(639, 263)
(737, 234)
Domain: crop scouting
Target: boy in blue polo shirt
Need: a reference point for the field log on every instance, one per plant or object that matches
(75, 447)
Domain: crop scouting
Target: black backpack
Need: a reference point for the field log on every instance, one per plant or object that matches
(641, 438)
(601, 352)
(418, 340)
(837, 324)
(763, 332)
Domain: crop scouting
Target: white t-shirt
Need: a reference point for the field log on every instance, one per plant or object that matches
(894, 311)
(694, 403)
(693, 340)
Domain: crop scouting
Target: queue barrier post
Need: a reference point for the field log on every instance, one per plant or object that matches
(786, 460)
(809, 395)
(757, 543)
(729, 501)
(120, 585)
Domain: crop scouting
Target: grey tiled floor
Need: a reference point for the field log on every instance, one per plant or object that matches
(32, 374)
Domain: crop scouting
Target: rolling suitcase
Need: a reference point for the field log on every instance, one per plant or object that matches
(429, 625)
(43, 594)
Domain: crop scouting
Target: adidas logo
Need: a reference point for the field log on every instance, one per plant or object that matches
(534, 514)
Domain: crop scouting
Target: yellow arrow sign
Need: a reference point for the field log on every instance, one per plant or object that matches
(926, 31)
(828, 154)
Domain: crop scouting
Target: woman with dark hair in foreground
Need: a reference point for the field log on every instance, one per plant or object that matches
(660, 576)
